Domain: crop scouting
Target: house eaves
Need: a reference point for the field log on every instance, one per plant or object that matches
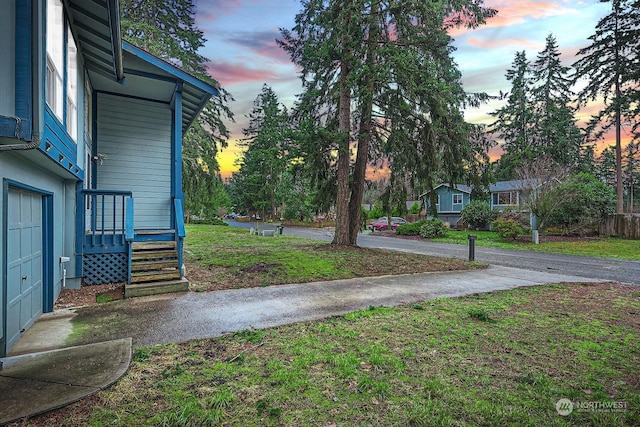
(96, 26)
(195, 92)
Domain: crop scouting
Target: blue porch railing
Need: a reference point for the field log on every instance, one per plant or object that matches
(180, 230)
(106, 223)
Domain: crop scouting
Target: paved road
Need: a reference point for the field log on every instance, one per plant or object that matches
(589, 267)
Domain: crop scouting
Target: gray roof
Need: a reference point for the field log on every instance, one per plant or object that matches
(459, 187)
(513, 185)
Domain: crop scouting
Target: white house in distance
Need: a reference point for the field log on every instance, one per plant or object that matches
(90, 158)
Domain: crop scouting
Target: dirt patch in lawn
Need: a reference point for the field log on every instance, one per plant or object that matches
(89, 295)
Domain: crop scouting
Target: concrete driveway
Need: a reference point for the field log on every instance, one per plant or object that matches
(192, 315)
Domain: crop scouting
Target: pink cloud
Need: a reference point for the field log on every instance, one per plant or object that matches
(212, 10)
(498, 43)
(262, 44)
(231, 73)
(513, 12)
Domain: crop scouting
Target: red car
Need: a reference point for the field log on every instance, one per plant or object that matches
(382, 223)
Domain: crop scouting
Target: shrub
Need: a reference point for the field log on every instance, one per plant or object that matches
(433, 228)
(376, 212)
(414, 209)
(519, 217)
(582, 202)
(411, 229)
(209, 221)
(477, 214)
(507, 228)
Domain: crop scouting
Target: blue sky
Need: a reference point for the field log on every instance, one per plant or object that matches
(243, 53)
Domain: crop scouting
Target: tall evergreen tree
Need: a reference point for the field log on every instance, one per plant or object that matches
(514, 121)
(610, 66)
(390, 61)
(167, 29)
(556, 133)
(265, 158)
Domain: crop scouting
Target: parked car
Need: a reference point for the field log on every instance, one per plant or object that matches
(382, 223)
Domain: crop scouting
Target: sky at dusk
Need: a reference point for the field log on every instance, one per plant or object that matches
(241, 46)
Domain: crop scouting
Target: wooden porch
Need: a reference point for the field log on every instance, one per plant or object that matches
(148, 261)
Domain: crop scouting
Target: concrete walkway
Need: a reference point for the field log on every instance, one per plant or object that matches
(39, 382)
(182, 317)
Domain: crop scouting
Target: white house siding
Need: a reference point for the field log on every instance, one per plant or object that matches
(7, 63)
(135, 137)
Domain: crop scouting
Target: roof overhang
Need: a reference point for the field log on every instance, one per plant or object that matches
(96, 25)
(195, 92)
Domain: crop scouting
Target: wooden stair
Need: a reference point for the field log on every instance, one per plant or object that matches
(155, 269)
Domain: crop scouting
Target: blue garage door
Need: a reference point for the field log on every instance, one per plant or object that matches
(24, 263)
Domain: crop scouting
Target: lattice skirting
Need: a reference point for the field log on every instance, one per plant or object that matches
(99, 269)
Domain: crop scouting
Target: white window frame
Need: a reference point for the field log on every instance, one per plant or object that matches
(55, 57)
(72, 85)
(453, 199)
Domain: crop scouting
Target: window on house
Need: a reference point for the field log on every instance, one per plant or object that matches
(505, 198)
(72, 86)
(457, 199)
(55, 57)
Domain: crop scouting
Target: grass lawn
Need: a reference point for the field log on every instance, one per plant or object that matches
(607, 247)
(219, 257)
(504, 358)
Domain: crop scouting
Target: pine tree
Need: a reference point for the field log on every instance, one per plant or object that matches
(514, 120)
(392, 62)
(265, 159)
(610, 65)
(556, 133)
(167, 30)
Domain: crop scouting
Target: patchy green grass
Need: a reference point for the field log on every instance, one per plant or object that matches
(589, 246)
(504, 358)
(229, 258)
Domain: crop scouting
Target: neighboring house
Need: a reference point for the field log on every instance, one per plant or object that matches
(450, 201)
(507, 194)
(90, 157)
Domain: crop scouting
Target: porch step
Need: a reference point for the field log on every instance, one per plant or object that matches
(154, 232)
(136, 256)
(155, 275)
(155, 288)
(154, 265)
(145, 246)
(155, 269)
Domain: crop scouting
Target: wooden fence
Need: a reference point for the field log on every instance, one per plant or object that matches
(627, 226)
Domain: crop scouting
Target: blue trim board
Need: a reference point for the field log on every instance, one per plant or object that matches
(114, 27)
(168, 68)
(48, 261)
(94, 138)
(80, 216)
(177, 144)
(23, 67)
(57, 136)
(150, 75)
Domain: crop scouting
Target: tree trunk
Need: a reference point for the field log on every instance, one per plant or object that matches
(364, 135)
(619, 188)
(341, 236)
